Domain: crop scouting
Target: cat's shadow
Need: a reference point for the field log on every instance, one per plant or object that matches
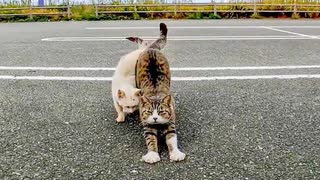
(188, 128)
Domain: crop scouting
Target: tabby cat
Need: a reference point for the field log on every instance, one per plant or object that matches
(157, 108)
(124, 92)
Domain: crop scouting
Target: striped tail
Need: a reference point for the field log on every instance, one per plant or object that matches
(162, 40)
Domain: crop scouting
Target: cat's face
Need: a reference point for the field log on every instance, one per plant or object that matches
(128, 100)
(155, 111)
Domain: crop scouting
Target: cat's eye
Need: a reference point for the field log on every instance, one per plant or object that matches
(163, 112)
(147, 112)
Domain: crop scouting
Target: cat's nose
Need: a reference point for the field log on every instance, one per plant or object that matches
(155, 118)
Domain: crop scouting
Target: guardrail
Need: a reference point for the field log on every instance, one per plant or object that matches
(29, 11)
(233, 8)
(215, 8)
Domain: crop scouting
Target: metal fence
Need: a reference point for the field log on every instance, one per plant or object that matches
(29, 11)
(78, 2)
(254, 8)
(228, 7)
(88, 2)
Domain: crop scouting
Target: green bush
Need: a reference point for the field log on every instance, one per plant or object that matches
(90, 17)
(256, 16)
(197, 15)
(136, 16)
(41, 18)
(214, 16)
(102, 17)
(108, 17)
(83, 12)
(295, 16)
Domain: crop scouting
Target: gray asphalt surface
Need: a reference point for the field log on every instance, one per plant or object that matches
(230, 129)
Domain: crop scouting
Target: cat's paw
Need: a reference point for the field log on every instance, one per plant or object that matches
(177, 155)
(120, 118)
(151, 157)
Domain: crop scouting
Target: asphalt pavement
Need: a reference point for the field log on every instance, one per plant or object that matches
(251, 128)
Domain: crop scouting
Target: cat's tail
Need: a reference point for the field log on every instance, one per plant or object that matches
(162, 40)
(157, 44)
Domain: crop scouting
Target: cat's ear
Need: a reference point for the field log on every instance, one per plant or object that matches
(138, 92)
(135, 39)
(167, 99)
(121, 94)
(144, 99)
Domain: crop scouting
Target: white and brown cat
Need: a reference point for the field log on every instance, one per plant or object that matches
(124, 92)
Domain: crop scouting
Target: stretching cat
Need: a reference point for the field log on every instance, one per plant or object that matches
(157, 108)
(124, 92)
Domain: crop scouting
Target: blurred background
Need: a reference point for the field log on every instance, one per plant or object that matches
(78, 2)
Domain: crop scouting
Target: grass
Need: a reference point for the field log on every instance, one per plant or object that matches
(83, 12)
(87, 12)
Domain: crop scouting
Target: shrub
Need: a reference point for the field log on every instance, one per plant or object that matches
(295, 16)
(196, 15)
(256, 16)
(214, 16)
(83, 12)
(136, 16)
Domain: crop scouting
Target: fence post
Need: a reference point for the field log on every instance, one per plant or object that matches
(96, 10)
(255, 8)
(295, 7)
(69, 12)
(31, 11)
(215, 9)
(175, 10)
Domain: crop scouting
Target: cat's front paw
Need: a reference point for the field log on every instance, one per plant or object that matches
(151, 157)
(120, 118)
(177, 155)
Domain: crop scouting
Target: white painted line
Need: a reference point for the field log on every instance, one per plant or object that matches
(209, 78)
(212, 78)
(296, 27)
(200, 27)
(180, 38)
(173, 68)
(174, 37)
(57, 68)
(56, 78)
(173, 27)
(243, 68)
(289, 32)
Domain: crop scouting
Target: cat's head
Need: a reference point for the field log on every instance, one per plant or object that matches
(157, 44)
(128, 99)
(156, 111)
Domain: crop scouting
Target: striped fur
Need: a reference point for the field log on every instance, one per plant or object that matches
(125, 95)
(156, 106)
